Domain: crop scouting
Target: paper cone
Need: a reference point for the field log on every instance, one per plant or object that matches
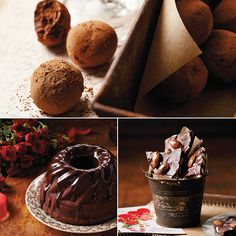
(172, 47)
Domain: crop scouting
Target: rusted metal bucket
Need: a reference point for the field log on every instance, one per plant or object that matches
(177, 202)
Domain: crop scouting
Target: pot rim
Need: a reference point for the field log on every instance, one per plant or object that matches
(168, 179)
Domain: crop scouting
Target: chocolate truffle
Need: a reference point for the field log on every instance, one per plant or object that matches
(91, 44)
(197, 18)
(220, 55)
(52, 22)
(184, 84)
(56, 86)
(225, 15)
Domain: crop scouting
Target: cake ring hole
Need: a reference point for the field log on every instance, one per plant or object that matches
(84, 162)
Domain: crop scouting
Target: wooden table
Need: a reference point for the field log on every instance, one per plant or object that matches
(21, 222)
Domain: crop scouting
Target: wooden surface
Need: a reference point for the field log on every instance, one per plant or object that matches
(21, 222)
(138, 136)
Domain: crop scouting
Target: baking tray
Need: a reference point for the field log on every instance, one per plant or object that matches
(119, 95)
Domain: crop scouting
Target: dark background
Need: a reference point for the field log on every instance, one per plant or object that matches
(138, 136)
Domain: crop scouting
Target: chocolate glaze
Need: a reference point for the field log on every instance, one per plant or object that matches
(81, 196)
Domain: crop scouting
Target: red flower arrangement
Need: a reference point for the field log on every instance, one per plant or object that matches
(134, 217)
(26, 143)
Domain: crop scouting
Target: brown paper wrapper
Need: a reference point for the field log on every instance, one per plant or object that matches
(172, 47)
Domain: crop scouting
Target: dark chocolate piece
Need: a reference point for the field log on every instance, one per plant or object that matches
(154, 159)
(225, 226)
(197, 163)
(174, 160)
(184, 156)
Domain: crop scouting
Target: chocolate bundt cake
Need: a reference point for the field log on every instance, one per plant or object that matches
(80, 186)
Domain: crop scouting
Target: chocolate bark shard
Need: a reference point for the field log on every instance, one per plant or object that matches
(226, 226)
(198, 165)
(183, 140)
(186, 138)
(183, 157)
(174, 161)
(196, 144)
(154, 160)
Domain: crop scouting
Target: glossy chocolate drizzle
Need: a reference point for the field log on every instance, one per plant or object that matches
(70, 183)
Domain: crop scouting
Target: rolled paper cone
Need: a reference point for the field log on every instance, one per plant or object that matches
(172, 47)
(3, 208)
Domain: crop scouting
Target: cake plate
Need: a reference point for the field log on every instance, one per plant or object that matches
(33, 205)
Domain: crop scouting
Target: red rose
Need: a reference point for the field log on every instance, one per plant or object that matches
(133, 213)
(21, 148)
(31, 137)
(143, 211)
(131, 222)
(17, 126)
(39, 146)
(30, 122)
(8, 153)
(19, 137)
(123, 216)
(42, 133)
(128, 219)
(121, 220)
(144, 214)
(145, 217)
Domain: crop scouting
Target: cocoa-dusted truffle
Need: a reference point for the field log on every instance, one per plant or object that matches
(220, 55)
(91, 43)
(184, 84)
(225, 15)
(56, 86)
(52, 22)
(197, 18)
